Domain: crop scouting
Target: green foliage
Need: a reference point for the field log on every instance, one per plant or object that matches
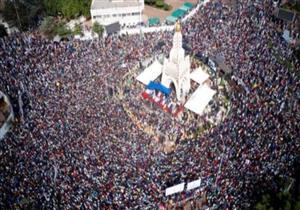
(68, 8)
(47, 26)
(77, 30)
(50, 28)
(2, 31)
(22, 13)
(159, 3)
(98, 29)
(51, 7)
(15, 14)
(85, 9)
(150, 2)
(297, 206)
(297, 7)
(61, 30)
(71, 8)
(167, 7)
(290, 6)
(281, 200)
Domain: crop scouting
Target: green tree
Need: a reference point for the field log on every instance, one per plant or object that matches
(77, 30)
(67, 8)
(22, 13)
(14, 14)
(85, 8)
(62, 30)
(51, 7)
(2, 31)
(150, 2)
(47, 26)
(71, 8)
(98, 29)
(159, 3)
(281, 200)
(167, 7)
(50, 27)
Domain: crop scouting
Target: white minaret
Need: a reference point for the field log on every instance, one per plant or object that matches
(177, 68)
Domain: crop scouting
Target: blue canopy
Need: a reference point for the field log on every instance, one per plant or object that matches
(158, 86)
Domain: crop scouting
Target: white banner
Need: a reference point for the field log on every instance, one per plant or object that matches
(175, 189)
(193, 184)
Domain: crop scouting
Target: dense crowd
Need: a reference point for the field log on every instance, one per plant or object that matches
(78, 149)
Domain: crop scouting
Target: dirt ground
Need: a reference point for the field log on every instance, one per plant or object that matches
(162, 14)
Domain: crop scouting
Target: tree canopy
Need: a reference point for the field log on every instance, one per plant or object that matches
(27, 13)
(98, 29)
(67, 8)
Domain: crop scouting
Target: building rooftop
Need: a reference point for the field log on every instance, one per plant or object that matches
(103, 4)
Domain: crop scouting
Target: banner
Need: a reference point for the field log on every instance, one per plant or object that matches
(175, 189)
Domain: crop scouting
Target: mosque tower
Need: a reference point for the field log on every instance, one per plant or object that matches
(177, 68)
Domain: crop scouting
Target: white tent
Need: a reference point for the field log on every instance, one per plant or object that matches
(150, 73)
(200, 98)
(199, 76)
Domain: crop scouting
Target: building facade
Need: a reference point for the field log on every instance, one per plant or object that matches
(126, 12)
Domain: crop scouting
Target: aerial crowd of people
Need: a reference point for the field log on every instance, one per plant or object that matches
(76, 148)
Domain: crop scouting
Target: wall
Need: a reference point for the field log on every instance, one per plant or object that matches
(128, 19)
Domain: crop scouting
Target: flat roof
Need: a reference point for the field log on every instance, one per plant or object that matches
(104, 4)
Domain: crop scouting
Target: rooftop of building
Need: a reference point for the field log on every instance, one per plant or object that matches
(104, 4)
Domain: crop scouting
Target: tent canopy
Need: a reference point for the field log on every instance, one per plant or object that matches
(171, 19)
(113, 28)
(188, 4)
(178, 13)
(153, 21)
(200, 99)
(286, 15)
(158, 86)
(150, 73)
(184, 8)
(220, 61)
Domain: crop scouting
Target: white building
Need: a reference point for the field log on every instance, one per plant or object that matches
(126, 12)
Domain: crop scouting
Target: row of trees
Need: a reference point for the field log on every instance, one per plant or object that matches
(52, 27)
(67, 8)
(27, 13)
(160, 4)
